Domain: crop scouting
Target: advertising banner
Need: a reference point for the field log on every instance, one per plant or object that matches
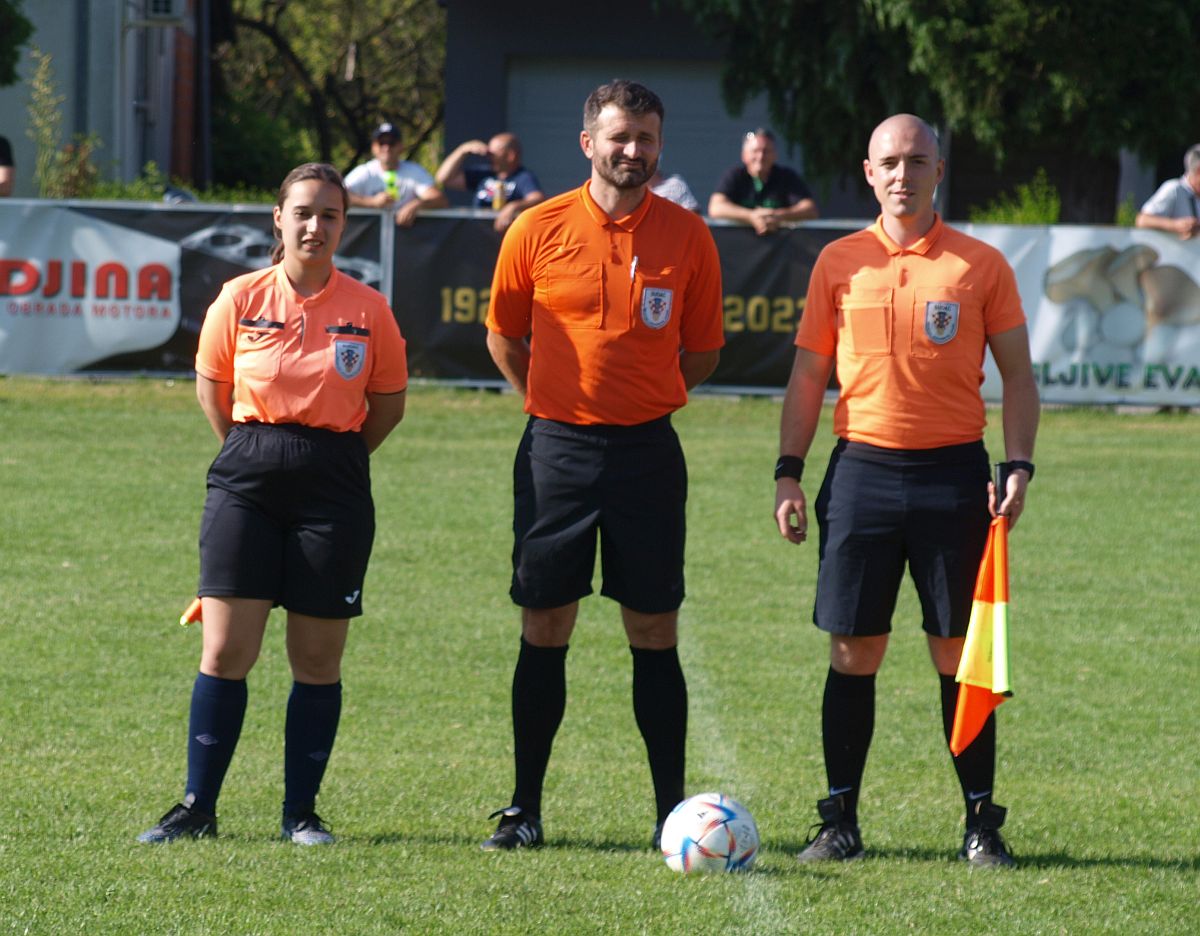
(1114, 313)
(78, 289)
(765, 280)
(113, 286)
(442, 285)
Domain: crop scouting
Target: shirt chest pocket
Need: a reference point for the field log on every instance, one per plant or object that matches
(575, 294)
(947, 324)
(865, 321)
(347, 355)
(259, 348)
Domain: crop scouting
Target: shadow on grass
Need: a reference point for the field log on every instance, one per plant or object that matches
(558, 843)
(1026, 861)
(1043, 861)
(563, 844)
(1050, 860)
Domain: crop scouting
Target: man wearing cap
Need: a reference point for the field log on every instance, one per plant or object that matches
(387, 181)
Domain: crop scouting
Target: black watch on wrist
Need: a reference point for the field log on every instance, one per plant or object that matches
(1021, 466)
(789, 466)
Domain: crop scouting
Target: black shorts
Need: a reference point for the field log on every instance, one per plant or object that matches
(289, 518)
(880, 508)
(627, 482)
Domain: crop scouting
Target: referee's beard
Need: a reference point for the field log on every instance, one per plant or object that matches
(626, 173)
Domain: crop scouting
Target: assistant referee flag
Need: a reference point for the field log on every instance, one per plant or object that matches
(983, 669)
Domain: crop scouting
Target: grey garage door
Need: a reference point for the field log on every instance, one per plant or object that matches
(545, 104)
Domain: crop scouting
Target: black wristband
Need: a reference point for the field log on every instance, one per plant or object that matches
(1021, 466)
(789, 466)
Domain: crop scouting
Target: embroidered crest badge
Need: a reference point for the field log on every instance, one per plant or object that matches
(941, 321)
(656, 306)
(349, 358)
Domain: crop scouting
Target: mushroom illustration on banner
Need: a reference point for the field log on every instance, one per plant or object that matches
(1120, 305)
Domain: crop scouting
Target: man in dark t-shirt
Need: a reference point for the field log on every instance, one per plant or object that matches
(759, 192)
(493, 172)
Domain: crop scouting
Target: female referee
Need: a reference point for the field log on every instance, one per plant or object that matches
(301, 371)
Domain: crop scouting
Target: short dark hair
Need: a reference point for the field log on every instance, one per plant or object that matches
(323, 172)
(629, 96)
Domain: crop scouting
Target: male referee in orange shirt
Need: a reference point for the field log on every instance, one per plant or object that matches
(605, 312)
(906, 308)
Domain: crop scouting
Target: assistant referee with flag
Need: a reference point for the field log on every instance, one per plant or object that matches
(906, 309)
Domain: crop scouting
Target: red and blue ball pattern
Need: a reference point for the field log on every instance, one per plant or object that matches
(709, 832)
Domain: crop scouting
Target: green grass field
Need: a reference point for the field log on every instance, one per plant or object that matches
(102, 487)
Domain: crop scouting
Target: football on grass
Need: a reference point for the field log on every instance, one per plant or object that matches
(709, 832)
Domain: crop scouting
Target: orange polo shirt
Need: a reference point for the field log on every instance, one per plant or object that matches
(609, 304)
(295, 359)
(909, 327)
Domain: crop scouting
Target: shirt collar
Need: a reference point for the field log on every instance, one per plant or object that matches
(600, 216)
(923, 246)
(316, 298)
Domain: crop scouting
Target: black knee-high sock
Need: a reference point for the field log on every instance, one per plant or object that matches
(976, 766)
(313, 713)
(214, 726)
(539, 698)
(660, 708)
(847, 724)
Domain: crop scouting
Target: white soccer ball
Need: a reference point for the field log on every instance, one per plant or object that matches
(709, 832)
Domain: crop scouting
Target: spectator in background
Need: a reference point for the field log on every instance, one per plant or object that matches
(387, 181)
(8, 172)
(759, 192)
(674, 188)
(495, 175)
(1173, 208)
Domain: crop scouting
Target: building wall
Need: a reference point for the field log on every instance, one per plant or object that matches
(530, 74)
(117, 81)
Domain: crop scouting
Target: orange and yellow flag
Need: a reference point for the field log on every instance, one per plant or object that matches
(191, 614)
(983, 669)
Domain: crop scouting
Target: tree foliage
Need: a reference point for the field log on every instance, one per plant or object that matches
(1034, 202)
(829, 70)
(61, 170)
(312, 78)
(1091, 77)
(1081, 78)
(15, 31)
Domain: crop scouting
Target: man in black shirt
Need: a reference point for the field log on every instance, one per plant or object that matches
(759, 192)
